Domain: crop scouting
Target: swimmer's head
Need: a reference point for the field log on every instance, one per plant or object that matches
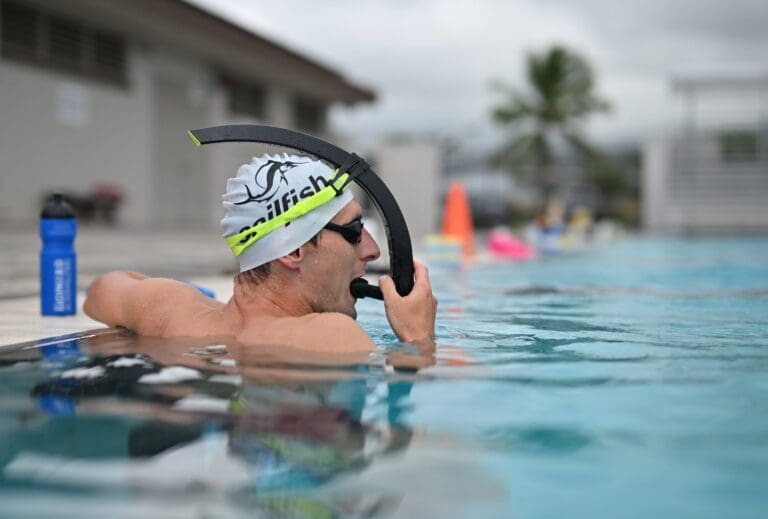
(277, 203)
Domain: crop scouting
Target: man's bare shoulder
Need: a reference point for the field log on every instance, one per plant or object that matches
(329, 331)
(138, 302)
(161, 289)
(166, 306)
(119, 281)
(334, 326)
(153, 294)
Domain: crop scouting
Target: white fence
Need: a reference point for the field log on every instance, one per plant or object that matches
(686, 188)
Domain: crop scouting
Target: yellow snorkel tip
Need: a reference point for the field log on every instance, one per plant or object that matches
(195, 140)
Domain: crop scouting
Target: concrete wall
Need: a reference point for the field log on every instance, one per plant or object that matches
(412, 171)
(67, 134)
(59, 132)
(181, 100)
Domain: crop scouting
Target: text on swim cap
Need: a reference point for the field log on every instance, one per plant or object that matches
(280, 205)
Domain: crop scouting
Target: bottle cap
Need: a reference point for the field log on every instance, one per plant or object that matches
(57, 207)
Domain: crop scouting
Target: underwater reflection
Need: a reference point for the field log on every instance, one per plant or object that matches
(180, 414)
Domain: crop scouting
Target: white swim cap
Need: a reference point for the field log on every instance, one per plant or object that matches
(277, 203)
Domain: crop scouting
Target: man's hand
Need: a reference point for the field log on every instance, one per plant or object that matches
(412, 317)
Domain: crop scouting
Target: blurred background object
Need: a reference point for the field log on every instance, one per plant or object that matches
(100, 204)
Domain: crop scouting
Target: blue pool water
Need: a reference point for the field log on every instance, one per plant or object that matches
(629, 380)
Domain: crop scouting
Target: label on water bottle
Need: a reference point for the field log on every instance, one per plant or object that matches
(62, 274)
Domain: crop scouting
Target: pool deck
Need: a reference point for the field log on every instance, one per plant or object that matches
(198, 256)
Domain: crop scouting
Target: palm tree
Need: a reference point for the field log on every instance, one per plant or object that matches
(561, 97)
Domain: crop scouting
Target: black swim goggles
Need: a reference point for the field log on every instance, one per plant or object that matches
(352, 231)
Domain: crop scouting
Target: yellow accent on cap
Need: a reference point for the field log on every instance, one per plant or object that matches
(242, 240)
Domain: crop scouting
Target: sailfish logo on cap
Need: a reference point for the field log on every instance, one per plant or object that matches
(273, 173)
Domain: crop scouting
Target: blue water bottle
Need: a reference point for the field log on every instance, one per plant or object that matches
(58, 260)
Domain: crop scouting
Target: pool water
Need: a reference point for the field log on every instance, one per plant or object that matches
(629, 380)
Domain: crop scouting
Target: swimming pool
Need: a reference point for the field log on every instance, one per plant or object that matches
(630, 381)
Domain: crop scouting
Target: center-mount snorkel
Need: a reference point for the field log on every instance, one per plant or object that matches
(398, 238)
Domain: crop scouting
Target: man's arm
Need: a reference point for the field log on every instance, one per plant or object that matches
(132, 300)
(104, 299)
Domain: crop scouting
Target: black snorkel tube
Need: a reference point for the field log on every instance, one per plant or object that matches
(398, 238)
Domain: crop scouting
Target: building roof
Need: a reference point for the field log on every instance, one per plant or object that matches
(722, 77)
(236, 51)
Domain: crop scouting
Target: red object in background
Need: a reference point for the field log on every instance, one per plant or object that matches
(107, 191)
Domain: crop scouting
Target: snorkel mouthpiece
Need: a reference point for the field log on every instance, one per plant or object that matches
(360, 288)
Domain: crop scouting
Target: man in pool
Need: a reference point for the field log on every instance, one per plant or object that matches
(299, 239)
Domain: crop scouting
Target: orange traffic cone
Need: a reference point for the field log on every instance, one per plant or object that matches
(457, 219)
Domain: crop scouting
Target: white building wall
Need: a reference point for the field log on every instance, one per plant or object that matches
(182, 92)
(684, 190)
(226, 158)
(655, 182)
(412, 171)
(279, 107)
(63, 133)
(60, 132)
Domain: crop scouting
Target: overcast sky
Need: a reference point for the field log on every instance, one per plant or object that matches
(431, 61)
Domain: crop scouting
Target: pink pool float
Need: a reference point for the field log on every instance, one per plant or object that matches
(503, 244)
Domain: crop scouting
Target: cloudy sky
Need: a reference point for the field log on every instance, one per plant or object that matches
(432, 61)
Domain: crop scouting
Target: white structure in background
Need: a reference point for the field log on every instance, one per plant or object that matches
(712, 175)
(95, 91)
(412, 170)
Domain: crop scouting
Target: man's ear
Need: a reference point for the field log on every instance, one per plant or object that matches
(293, 260)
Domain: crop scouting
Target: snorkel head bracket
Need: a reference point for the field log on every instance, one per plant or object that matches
(358, 170)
